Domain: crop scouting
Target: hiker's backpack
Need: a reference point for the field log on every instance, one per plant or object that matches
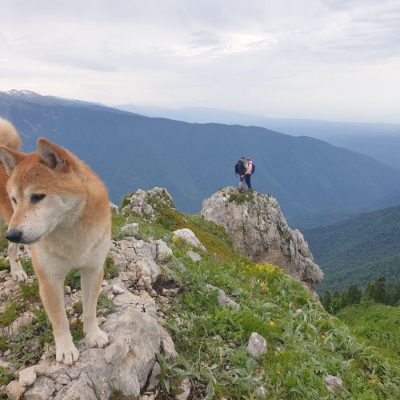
(253, 168)
(240, 168)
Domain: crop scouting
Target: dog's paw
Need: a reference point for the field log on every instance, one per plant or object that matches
(97, 338)
(19, 276)
(67, 353)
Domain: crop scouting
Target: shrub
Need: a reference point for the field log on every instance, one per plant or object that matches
(10, 314)
(30, 291)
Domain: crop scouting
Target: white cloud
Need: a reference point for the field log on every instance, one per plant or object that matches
(328, 59)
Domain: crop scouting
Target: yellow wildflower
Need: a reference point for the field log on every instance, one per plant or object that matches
(272, 323)
(263, 287)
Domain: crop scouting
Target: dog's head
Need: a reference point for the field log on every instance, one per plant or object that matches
(43, 188)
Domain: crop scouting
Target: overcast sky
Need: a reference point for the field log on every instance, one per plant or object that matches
(319, 59)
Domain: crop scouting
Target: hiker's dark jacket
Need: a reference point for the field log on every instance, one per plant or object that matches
(241, 168)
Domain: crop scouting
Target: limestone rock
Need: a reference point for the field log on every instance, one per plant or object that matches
(333, 383)
(79, 390)
(130, 229)
(261, 392)
(259, 230)
(138, 258)
(189, 237)
(184, 388)
(42, 390)
(27, 376)
(194, 256)
(257, 345)
(224, 300)
(161, 251)
(168, 345)
(154, 380)
(15, 390)
(117, 289)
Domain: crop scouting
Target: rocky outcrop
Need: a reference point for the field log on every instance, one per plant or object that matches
(124, 365)
(259, 230)
(147, 203)
(135, 328)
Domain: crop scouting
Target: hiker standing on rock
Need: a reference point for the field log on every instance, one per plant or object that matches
(240, 169)
(250, 168)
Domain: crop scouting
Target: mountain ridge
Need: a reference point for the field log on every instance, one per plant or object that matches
(192, 160)
(358, 251)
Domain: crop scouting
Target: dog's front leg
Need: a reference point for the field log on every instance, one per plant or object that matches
(51, 286)
(17, 273)
(91, 280)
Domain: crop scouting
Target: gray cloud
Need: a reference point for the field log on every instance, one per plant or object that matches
(333, 59)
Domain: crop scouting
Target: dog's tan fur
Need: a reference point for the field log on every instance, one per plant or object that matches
(69, 228)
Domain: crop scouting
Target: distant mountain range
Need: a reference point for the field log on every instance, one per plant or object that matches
(377, 140)
(312, 180)
(358, 251)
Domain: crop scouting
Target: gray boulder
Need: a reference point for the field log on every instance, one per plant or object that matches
(189, 237)
(257, 345)
(42, 390)
(137, 258)
(224, 300)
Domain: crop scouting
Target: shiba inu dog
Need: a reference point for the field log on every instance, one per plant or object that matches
(54, 202)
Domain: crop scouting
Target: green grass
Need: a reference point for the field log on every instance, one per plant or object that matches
(3, 241)
(302, 349)
(4, 264)
(105, 305)
(110, 271)
(27, 266)
(27, 347)
(30, 291)
(377, 325)
(73, 280)
(10, 313)
(213, 237)
(6, 376)
(241, 197)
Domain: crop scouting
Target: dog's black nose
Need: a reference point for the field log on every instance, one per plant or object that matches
(14, 235)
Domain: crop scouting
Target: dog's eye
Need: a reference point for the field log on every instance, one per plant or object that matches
(35, 198)
(13, 199)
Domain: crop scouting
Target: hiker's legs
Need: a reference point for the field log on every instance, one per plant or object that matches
(248, 181)
(241, 182)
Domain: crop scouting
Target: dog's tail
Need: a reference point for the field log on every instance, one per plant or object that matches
(9, 135)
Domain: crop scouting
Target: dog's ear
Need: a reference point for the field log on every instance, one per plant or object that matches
(55, 157)
(9, 158)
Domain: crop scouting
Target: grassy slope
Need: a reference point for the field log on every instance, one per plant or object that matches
(376, 324)
(358, 251)
(211, 341)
